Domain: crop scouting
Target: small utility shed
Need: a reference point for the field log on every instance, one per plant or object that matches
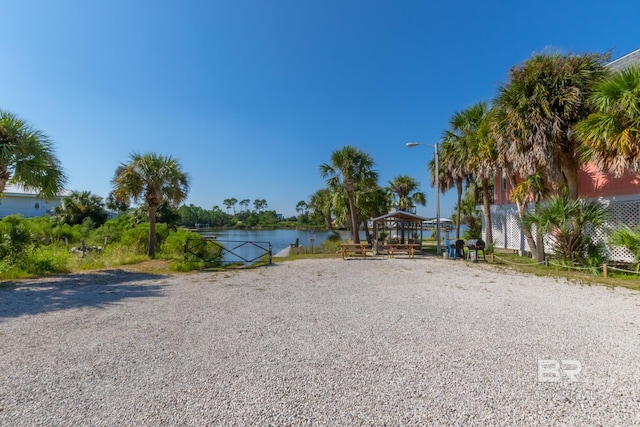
(397, 227)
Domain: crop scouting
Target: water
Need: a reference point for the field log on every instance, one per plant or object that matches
(279, 240)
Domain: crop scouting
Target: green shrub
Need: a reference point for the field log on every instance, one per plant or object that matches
(112, 230)
(138, 237)
(15, 236)
(200, 249)
(331, 244)
(65, 231)
(173, 247)
(46, 260)
(629, 238)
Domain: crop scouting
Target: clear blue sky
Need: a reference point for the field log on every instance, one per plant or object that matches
(251, 96)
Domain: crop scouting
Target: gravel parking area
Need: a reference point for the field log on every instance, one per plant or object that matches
(371, 341)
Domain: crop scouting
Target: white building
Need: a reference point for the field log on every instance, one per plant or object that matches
(16, 200)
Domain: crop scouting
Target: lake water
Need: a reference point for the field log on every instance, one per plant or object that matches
(279, 240)
(238, 251)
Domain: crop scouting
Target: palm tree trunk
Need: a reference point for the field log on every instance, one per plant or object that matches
(355, 236)
(5, 176)
(522, 208)
(570, 168)
(152, 231)
(539, 240)
(328, 222)
(459, 188)
(486, 202)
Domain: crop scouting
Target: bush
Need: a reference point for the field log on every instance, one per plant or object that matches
(174, 244)
(112, 230)
(65, 231)
(15, 236)
(629, 238)
(331, 244)
(46, 260)
(138, 237)
(173, 248)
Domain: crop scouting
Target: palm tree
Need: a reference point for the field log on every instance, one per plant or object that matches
(611, 134)
(151, 177)
(456, 153)
(260, 204)
(78, 205)
(484, 165)
(113, 204)
(27, 157)
(538, 106)
(244, 203)
(372, 202)
(231, 202)
(405, 190)
(534, 187)
(352, 170)
(563, 220)
(322, 202)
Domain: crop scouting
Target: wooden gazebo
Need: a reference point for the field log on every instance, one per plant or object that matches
(396, 227)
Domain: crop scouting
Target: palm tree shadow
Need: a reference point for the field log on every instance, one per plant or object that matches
(99, 289)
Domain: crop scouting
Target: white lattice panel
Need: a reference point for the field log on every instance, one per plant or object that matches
(620, 213)
(507, 233)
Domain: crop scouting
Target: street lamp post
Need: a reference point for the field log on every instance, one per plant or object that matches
(434, 146)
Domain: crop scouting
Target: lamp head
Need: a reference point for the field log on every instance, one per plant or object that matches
(412, 144)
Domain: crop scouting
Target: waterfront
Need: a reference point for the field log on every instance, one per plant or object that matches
(279, 239)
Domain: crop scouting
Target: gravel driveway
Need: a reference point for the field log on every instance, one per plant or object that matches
(319, 342)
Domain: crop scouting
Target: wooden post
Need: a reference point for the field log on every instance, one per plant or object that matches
(605, 270)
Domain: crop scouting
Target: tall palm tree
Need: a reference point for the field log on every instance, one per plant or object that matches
(484, 165)
(456, 154)
(352, 170)
(27, 157)
(611, 134)
(245, 204)
(260, 204)
(540, 103)
(405, 190)
(230, 202)
(151, 177)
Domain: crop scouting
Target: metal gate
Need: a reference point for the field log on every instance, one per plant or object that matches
(230, 251)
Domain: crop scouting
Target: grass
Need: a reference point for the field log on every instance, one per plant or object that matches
(128, 259)
(510, 261)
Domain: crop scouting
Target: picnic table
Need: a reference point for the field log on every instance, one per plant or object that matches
(359, 249)
(408, 248)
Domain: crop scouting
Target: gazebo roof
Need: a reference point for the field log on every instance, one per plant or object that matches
(399, 215)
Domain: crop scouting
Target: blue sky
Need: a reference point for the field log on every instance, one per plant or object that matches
(252, 96)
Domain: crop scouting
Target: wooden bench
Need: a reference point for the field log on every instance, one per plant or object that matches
(408, 248)
(359, 249)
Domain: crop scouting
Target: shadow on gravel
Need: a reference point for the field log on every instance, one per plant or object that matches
(98, 289)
